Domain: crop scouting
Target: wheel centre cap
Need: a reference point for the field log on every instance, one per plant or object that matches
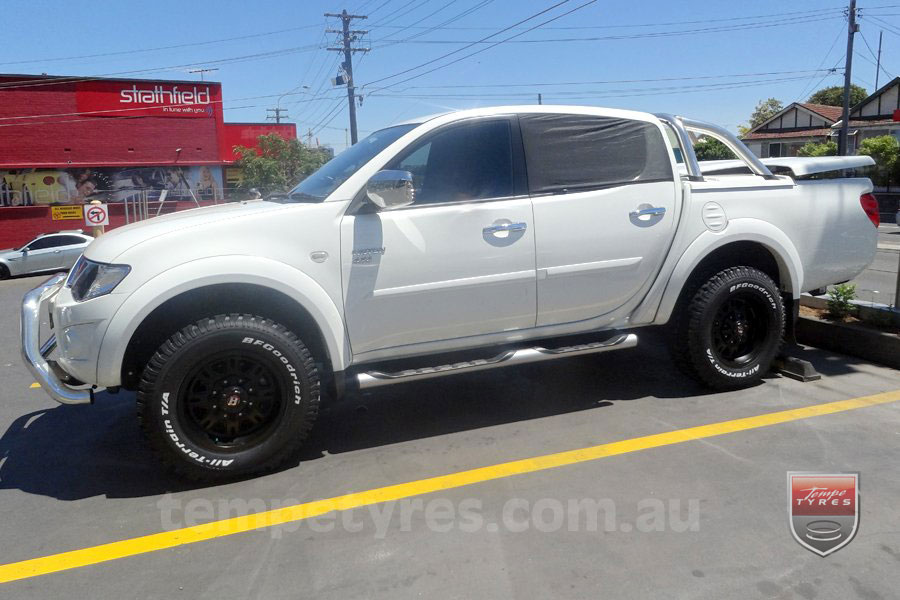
(234, 399)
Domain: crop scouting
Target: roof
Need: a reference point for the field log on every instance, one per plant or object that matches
(76, 78)
(832, 113)
(871, 122)
(801, 133)
(874, 95)
(829, 113)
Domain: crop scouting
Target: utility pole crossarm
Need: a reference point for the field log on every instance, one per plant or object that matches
(344, 15)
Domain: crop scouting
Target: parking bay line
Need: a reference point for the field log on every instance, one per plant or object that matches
(226, 527)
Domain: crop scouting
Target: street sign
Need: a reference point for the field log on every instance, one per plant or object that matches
(96, 215)
(62, 213)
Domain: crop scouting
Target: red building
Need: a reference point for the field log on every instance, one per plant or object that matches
(70, 140)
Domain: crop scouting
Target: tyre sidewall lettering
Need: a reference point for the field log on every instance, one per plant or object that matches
(753, 368)
(172, 379)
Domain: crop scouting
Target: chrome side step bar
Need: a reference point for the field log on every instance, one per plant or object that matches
(372, 379)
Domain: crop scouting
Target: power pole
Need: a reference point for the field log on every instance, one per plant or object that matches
(277, 114)
(852, 28)
(878, 63)
(349, 36)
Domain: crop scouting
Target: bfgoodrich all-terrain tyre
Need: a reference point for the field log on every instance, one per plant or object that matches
(228, 396)
(728, 332)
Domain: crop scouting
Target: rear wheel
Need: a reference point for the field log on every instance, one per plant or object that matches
(232, 395)
(729, 331)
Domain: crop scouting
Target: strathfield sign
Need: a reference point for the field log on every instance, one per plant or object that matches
(130, 99)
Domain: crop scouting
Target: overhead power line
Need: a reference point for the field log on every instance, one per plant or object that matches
(158, 48)
(27, 83)
(836, 10)
(469, 45)
(634, 36)
(610, 81)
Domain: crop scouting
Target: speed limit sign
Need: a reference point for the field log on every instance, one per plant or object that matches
(96, 215)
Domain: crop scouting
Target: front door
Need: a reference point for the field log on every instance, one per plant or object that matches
(604, 196)
(42, 254)
(457, 262)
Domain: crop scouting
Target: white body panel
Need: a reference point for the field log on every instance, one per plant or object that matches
(436, 265)
(581, 264)
(593, 256)
(799, 166)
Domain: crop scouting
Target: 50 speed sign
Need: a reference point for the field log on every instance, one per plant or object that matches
(96, 215)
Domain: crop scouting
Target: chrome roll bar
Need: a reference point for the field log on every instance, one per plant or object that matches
(684, 127)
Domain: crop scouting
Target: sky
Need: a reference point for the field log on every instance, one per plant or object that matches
(711, 60)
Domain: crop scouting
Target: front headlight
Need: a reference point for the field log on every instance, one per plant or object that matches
(89, 279)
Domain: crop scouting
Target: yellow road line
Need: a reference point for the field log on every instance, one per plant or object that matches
(189, 535)
(35, 385)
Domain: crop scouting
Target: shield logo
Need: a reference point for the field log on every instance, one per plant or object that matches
(823, 509)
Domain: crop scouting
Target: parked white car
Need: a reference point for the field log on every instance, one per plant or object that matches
(47, 252)
(467, 241)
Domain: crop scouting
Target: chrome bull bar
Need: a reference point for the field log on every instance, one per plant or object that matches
(35, 354)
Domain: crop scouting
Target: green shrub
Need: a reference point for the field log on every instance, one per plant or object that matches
(839, 297)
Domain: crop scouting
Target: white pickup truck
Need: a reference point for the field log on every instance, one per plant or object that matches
(467, 241)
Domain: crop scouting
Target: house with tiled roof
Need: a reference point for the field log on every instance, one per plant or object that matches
(879, 114)
(792, 127)
(799, 123)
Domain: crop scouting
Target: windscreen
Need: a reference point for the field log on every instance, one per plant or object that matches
(583, 152)
(332, 174)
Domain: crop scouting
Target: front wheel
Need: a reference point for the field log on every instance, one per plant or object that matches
(229, 396)
(729, 332)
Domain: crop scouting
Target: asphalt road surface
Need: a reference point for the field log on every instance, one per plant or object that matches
(690, 513)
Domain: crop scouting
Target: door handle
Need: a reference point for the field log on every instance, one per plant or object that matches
(653, 211)
(57, 251)
(504, 227)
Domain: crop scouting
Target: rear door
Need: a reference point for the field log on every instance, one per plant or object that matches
(604, 196)
(457, 262)
(69, 249)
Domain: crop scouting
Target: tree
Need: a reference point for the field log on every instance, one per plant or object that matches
(278, 164)
(765, 110)
(834, 95)
(712, 149)
(885, 150)
(828, 148)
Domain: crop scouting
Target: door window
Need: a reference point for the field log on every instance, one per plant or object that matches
(70, 240)
(472, 161)
(572, 153)
(48, 242)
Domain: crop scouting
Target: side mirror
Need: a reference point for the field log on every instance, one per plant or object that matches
(24, 251)
(391, 189)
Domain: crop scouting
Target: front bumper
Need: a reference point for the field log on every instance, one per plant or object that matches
(35, 354)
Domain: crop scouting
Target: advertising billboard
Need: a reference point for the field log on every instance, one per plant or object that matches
(30, 187)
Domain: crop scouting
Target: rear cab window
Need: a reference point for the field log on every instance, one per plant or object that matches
(573, 153)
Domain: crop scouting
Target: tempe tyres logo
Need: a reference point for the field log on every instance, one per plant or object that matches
(823, 510)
